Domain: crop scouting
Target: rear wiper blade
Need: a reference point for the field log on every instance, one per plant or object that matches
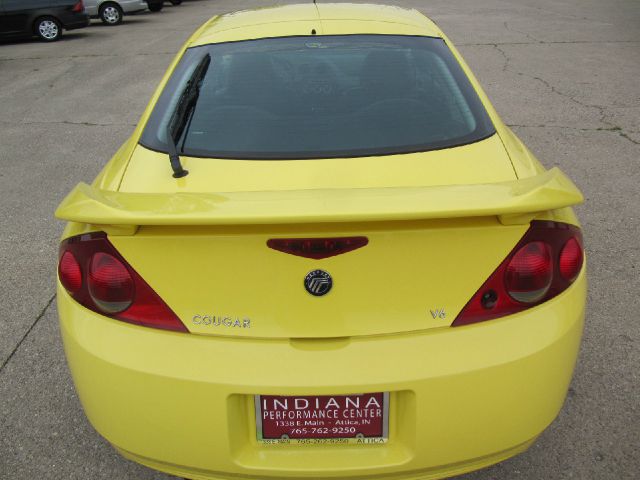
(181, 116)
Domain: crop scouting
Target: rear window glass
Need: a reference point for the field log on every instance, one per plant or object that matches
(321, 97)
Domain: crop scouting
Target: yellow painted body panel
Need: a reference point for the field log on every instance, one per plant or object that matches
(482, 162)
(363, 13)
(230, 274)
(183, 403)
(281, 21)
(438, 223)
(325, 19)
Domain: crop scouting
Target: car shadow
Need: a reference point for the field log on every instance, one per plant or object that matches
(17, 40)
(66, 37)
(128, 20)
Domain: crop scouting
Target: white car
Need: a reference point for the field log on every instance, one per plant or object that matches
(112, 11)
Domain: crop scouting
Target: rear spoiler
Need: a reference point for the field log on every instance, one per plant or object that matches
(513, 202)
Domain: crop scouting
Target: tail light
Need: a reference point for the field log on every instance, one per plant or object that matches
(317, 248)
(110, 284)
(69, 273)
(99, 278)
(78, 7)
(530, 273)
(542, 265)
(571, 258)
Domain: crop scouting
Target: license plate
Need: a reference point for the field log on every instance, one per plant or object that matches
(359, 418)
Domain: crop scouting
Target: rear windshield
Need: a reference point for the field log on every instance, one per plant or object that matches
(321, 97)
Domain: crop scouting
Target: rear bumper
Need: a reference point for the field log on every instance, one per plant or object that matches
(75, 21)
(461, 398)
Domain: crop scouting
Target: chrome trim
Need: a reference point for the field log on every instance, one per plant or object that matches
(258, 410)
(385, 415)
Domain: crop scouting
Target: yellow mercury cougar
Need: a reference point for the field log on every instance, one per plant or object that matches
(321, 254)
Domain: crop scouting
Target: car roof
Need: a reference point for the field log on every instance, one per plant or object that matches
(323, 18)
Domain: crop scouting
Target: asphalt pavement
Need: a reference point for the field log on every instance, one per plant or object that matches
(564, 73)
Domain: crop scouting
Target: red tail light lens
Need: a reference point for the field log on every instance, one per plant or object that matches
(111, 287)
(542, 265)
(571, 259)
(317, 248)
(110, 284)
(78, 7)
(69, 273)
(529, 273)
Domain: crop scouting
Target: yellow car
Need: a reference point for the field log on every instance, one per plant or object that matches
(321, 254)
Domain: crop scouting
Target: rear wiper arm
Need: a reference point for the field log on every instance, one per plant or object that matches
(181, 116)
(174, 157)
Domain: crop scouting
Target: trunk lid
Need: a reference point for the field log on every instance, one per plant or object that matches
(483, 162)
(412, 275)
(429, 249)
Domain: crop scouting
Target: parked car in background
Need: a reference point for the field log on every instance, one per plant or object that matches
(112, 11)
(43, 18)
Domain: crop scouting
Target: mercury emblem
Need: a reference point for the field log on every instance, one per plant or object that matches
(318, 283)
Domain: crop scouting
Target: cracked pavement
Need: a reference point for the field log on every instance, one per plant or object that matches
(563, 74)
